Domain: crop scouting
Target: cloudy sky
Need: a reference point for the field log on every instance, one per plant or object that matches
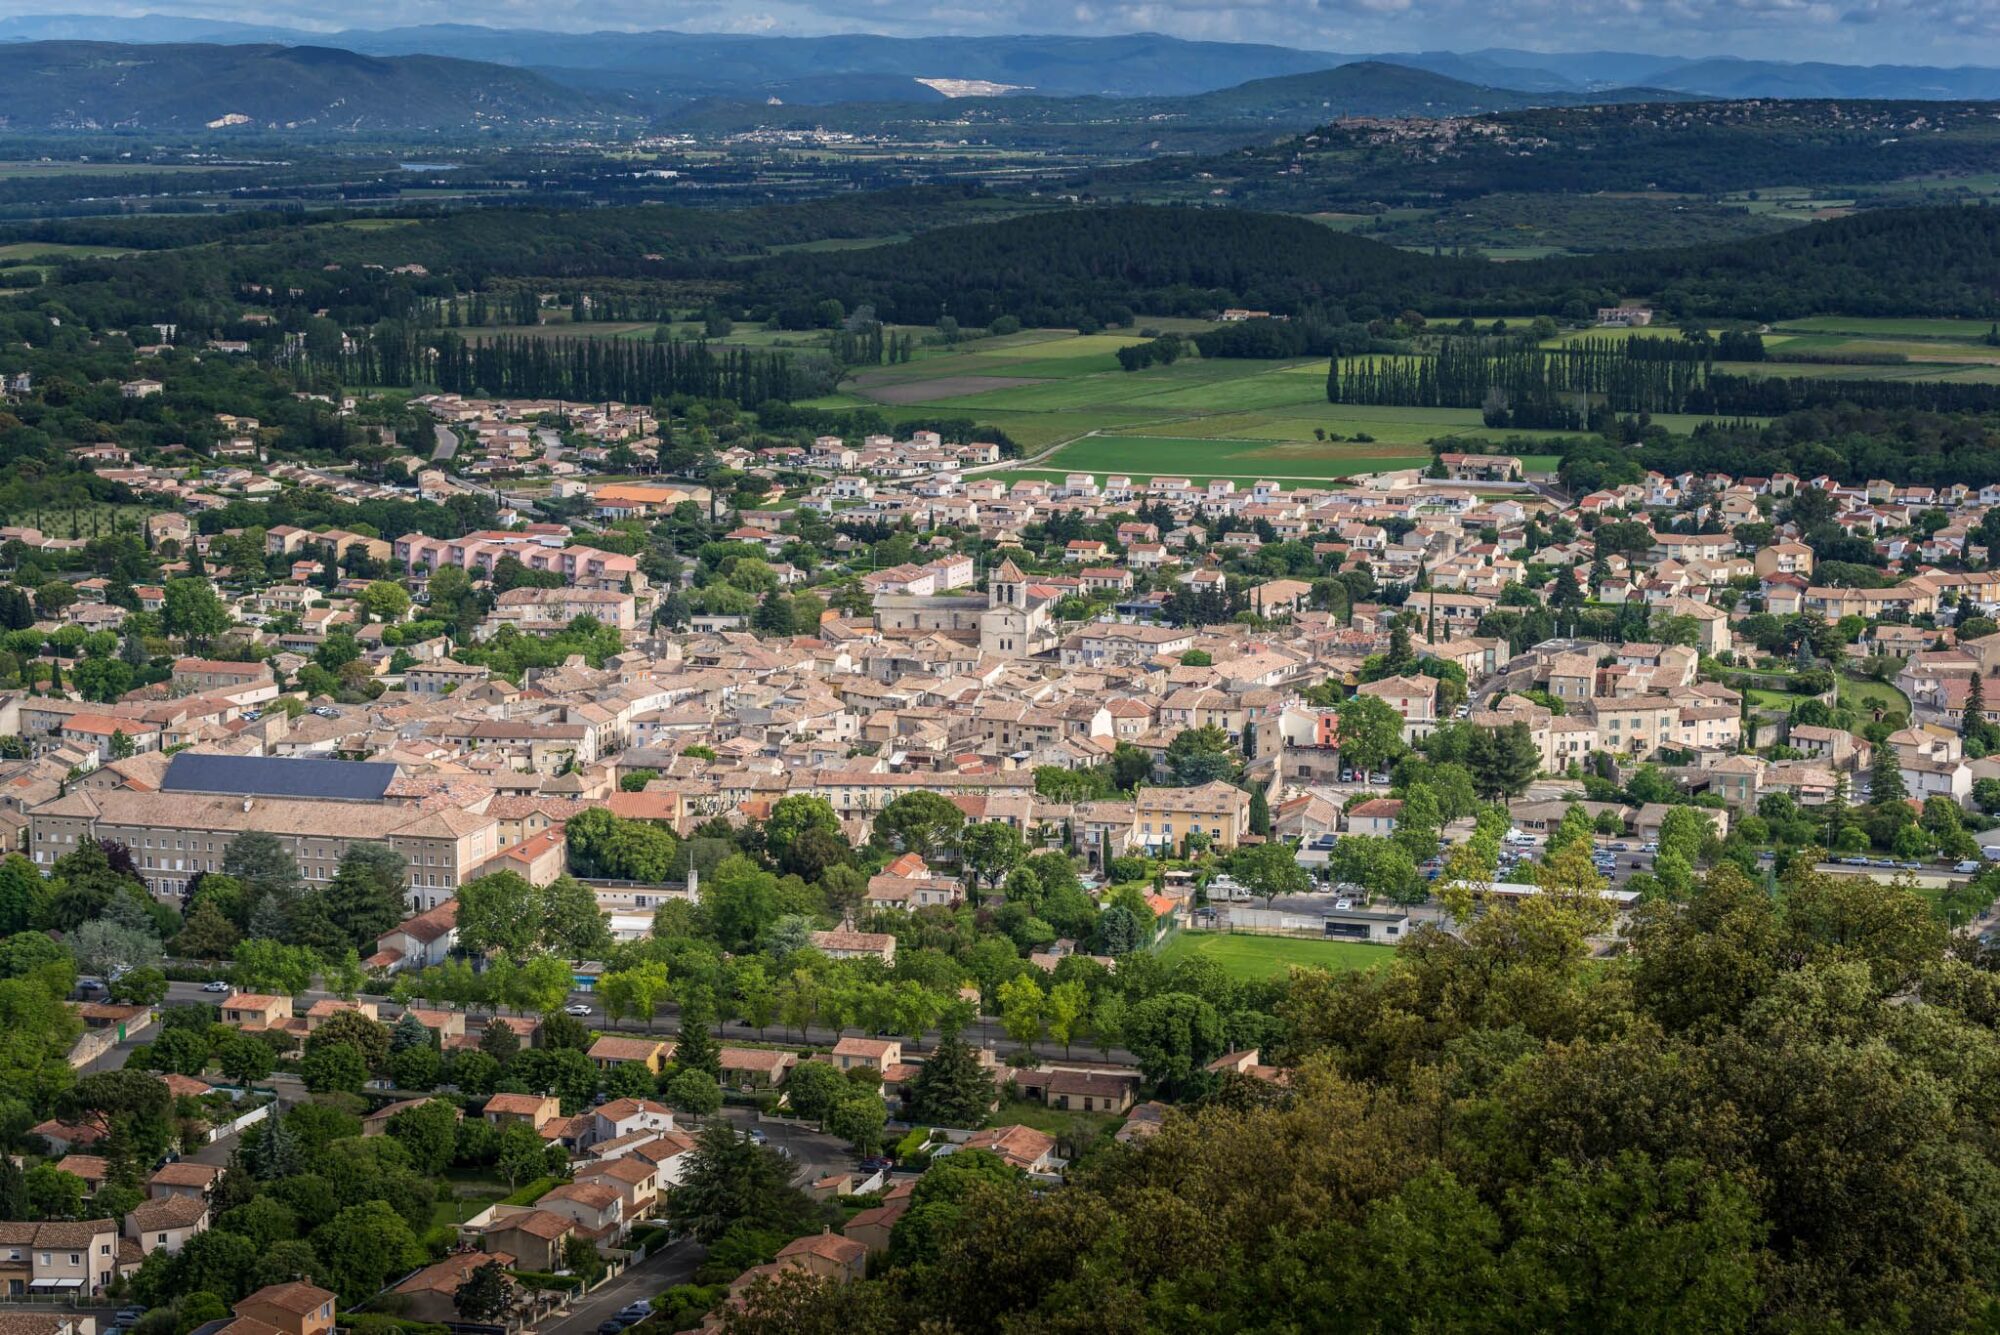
(1851, 31)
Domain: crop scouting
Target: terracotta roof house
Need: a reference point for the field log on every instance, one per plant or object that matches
(166, 1223)
(428, 1294)
(184, 1177)
(1022, 1146)
(532, 1109)
(871, 1228)
(756, 1068)
(295, 1308)
(534, 1236)
(597, 1209)
(826, 1255)
(880, 1053)
(616, 1050)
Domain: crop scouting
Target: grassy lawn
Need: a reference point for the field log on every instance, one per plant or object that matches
(1044, 1118)
(1260, 957)
(465, 1196)
(1867, 696)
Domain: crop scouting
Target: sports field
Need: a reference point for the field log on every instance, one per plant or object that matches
(1260, 957)
(1235, 419)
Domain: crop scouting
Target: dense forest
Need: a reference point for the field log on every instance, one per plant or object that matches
(1770, 1113)
(1105, 264)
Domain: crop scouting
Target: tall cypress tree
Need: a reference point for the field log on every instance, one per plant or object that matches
(1885, 776)
(695, 1048)
(1974, 726)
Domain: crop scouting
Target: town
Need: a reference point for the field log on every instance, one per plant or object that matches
(922, 801)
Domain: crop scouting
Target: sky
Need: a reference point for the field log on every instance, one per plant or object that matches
(1949, 32)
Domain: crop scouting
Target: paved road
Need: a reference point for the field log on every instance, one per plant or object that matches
(671, 1265)
(814, 1156)
(447, 444)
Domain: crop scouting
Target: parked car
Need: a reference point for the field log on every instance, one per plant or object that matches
(638, 1311)
(215, 985)
(611, 1327)
(1967, 867)
(757, 1136)
(577, 1008)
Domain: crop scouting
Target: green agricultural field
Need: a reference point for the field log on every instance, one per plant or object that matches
(1230, 418)
(842, 243)
(23, 170)
(1964, 331)
(1151, 455)
(18, 251)
(1261, 957)
(565, 330)
(1969, 369)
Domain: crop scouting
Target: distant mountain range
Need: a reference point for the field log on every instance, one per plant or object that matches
(1286, 102)
(448, 78)
(665, 67)
(185, 86)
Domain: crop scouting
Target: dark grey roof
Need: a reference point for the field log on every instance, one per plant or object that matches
(276, 776)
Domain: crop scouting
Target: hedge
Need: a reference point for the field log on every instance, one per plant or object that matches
(531, 1193)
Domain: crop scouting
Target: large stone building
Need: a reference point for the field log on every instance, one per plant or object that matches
(175, 835)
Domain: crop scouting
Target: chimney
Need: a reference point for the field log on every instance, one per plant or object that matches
(246, 804)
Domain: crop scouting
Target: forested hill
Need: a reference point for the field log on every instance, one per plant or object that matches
(1105, 263)
(1291, 101)
(1377, 88)
(106, 85)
